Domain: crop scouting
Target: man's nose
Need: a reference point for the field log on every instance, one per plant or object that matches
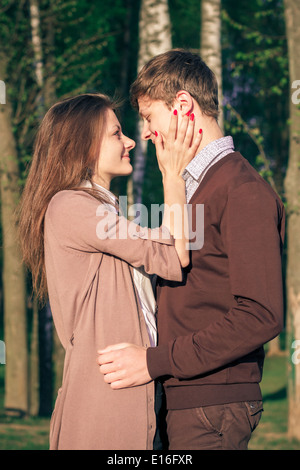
(145, 133)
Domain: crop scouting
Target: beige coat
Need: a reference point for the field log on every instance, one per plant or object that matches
(89, 254)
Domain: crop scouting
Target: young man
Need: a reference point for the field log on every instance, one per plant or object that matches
(212, 326)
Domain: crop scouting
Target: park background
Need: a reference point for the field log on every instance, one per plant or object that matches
(54, 49)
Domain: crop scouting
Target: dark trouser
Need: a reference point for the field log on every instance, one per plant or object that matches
(160, 439)
(218, 427)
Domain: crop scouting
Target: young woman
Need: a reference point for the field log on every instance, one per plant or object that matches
(94, 264)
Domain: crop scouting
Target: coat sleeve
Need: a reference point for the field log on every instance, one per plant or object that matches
(81, 224)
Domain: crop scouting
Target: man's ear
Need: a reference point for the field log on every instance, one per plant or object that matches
(184, 102)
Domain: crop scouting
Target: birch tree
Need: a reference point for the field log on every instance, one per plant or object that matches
(210, 43)
(34, 390)
(292, 189)
(154, 39)
(36, 41)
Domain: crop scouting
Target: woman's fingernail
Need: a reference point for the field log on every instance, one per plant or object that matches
(188, 113)
(192, 117)
(175, 112)
(200, 131)
(156, 133)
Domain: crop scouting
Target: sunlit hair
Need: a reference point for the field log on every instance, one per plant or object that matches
(167, 73)
(66, 150)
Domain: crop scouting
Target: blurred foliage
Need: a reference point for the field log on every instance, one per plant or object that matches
(255, 80)
(93, 46)
(82, 47)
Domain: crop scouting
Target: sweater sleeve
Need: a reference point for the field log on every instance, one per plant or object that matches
(83, 225)
(252, 230)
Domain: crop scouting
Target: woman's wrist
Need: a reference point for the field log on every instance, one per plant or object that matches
(169, 179)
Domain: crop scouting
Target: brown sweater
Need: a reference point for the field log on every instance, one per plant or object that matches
(213, 324)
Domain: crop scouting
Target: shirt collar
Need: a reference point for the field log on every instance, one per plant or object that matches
(207, 156)
(109, 194)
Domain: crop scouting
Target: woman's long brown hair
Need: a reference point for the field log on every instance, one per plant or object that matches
(66, 149)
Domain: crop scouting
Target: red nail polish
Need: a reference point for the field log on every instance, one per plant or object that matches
(156, 133)
(200, 131)
(175, 112)
(192, 117)
(188, 113)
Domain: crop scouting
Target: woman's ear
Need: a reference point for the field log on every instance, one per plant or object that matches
(184, 102)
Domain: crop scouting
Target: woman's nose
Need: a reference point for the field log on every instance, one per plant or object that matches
(129, 143)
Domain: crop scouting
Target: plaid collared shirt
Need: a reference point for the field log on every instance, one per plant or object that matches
(208, 156)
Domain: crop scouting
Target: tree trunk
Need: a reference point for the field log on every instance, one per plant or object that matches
(34, 392)
(274, 347)
(15, 325)
(36, 41)
(210, 50)
(292, 188)
(154, 38)
(48, 365)
(49, 86)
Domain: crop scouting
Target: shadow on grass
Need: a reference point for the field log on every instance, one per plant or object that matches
(278, 395)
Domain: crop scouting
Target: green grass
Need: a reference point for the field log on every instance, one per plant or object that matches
(24, 434)
(21, 433)
(271, 434)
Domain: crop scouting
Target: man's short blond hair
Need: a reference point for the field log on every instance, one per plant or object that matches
(166, 74)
